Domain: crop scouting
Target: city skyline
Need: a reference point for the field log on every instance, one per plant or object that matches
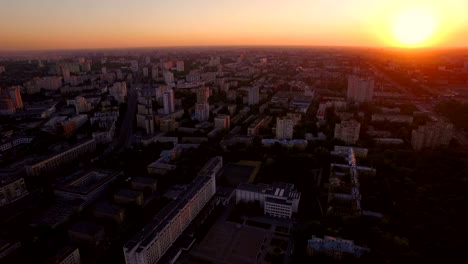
(123, 24)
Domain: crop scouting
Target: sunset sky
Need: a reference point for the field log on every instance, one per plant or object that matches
(65, 24)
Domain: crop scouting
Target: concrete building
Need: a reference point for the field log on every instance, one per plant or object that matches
(86, 233)
(254, 96)
(155, 239)
(168, 77)
(254, 128)
(203, 93)
(180, 66)
(348, 131)
(154, 72)
(222, 122)
(432, 135)
(81, 104)
(125, 196)
(144, 183)
(202, 111)
(2, 69)
(333, 247)
(119, 91)
(85, 186)
(168, 101)
(392, 118)
(66, 255)
(53, 162)
(284, 128)
(145, 72)
(109, 211)
(15, 96)
(11, 189)
(360, 89)
(278, 199)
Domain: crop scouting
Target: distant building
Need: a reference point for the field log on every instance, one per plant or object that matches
(180, 66)
(202, 111)
(168, 101)
(348, 131)
(168, 77)
(81, 104)
(145, 72)
(154, 72)
(119, 91)
(336, 248)
(432, 135)
(2, 69)
(284, 128)
(254, 95)
(203, 93)
(278, 199)
(360, 90)
(222, 122)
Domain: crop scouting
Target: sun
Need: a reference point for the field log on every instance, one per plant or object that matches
(414, 27)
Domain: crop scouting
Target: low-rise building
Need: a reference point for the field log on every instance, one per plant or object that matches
(336, 248)
(86, 233)
(278, 199)
(348, 131)
(125, 196)
(11, 189)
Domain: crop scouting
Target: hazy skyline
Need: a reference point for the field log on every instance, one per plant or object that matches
(51, 24)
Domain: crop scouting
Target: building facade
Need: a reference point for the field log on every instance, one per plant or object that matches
(348, 131)
(153, 241)
(360, 89)
(284, 128)
(278, 199)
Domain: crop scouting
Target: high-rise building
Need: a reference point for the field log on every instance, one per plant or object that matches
(145, 71)
(202, 111)
(154, 72)
(86, 67)
(180, 66)
(147, 60)
(168, 77)
(284, 128)
(103, 70)
(254, 95)
(168, 101)
(360, 89)
(222, 122)
(203, 93)
(348, 131)
(432, 135)
(119, 91)
(66, 74)
(15, 96)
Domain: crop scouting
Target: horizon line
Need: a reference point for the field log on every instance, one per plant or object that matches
(232, 46)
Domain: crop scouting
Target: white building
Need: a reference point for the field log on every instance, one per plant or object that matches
(202, 111)
(277, 199)
(284, 128)
(360, 90)
(348, 131)
(154, 240)
(168, 101)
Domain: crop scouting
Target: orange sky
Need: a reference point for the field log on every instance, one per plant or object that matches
(49, 24)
